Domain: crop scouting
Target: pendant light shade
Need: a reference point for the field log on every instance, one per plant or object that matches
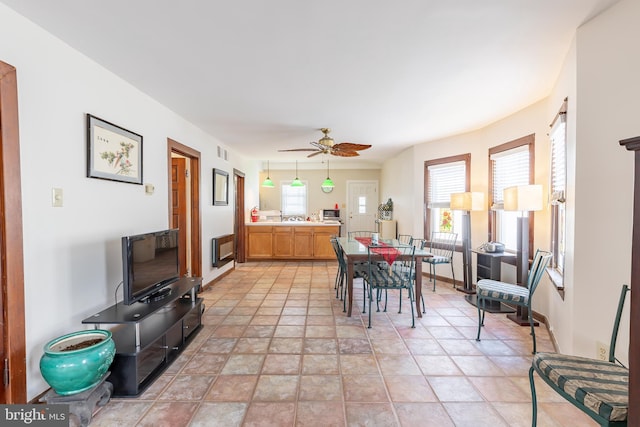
(267, 182)
(328, 183)
(296, 182)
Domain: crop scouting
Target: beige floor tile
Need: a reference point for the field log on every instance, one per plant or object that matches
(277, 349)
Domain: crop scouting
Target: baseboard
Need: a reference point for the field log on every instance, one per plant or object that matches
(217, 279)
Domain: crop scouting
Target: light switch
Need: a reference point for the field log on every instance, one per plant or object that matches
(56, 197)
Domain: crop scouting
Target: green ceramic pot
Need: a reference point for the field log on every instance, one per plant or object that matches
(74, 371)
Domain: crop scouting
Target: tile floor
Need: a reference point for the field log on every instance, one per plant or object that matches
(276, 349)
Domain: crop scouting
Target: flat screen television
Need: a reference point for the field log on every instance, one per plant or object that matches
(149, 263)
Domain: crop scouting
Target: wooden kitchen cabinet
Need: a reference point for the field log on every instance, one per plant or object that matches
(303, 242)
(290, 242)
(260, 242)
(322, 243)
(282, 242)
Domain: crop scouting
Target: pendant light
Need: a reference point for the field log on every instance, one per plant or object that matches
(296, 182)
(328, 183)
(267, 182)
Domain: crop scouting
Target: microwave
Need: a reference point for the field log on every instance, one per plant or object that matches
(330, 214)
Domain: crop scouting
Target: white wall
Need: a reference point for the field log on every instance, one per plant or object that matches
(72, 258)
(608, 94)
(398, 183)
(528, 121)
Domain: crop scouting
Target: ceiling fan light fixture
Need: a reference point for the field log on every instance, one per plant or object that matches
(326, 140)
(268, 182)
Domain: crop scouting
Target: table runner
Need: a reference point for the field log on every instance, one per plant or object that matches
(389, 253)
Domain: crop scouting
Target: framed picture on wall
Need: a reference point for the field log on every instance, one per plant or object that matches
(220, 187)
(113, 153)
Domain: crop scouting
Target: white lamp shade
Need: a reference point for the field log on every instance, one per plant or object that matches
(469, 201)
(523, 198)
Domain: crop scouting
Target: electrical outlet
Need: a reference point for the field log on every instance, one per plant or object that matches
(602, 351)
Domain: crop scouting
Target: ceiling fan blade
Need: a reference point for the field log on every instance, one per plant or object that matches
(300, 149)
(343, 153)
(315, 154)
(350, 146)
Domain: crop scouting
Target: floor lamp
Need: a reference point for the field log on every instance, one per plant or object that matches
(467, 202)
(525, 199)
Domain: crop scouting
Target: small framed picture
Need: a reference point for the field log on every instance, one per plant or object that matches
(220, 187)
(113, 153)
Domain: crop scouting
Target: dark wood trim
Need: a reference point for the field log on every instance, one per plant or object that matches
(239, 216)
(12, 263)
(530, 141)
(467, 185)
(633, 418)
(196, 226)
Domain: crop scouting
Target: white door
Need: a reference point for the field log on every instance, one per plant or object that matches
(362, 205)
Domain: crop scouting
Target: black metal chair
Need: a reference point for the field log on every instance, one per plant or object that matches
(510, 293)
(399, 274)
(359, 268)
(598, 388)
(442, 246)
(405, 239)
(341, 275)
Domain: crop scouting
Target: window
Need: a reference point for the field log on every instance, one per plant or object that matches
(557, 186)
(294, 200)
(509, 164)
(443, 177)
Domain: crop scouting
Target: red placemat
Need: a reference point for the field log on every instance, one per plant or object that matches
(389, 253)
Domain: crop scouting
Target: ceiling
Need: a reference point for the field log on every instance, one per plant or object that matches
(266, 75)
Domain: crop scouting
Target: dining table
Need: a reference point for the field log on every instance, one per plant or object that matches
(357, 251)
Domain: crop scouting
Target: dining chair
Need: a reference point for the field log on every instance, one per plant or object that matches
(599, 388)
(405, 239)
(341, 275)
(360, 267)
(442, 246)
(359, 233)
(401, 266)
(493, 290)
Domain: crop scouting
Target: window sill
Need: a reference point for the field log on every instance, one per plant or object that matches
(557, 280)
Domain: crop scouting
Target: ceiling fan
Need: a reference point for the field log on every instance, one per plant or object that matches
(326, 145)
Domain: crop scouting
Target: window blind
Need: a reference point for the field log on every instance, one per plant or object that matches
(558, 159)
(444, 179)
(294, 200)
(509, 168)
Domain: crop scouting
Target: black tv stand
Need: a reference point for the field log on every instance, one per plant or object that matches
(157, 295)
(151, 335)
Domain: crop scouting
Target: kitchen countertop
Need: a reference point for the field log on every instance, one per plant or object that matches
(295, 223)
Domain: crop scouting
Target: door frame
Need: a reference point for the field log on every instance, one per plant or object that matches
(349, 183)
(11, 245)
(239, 219)
(196, 227)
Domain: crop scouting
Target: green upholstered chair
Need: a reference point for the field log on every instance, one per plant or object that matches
(442, 245)
(398, 274)
(493, 290)
(598, 388)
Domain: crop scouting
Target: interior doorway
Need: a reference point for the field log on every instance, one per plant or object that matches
(184, 204)
(239, 216)
(12, 329)
(362, 205)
